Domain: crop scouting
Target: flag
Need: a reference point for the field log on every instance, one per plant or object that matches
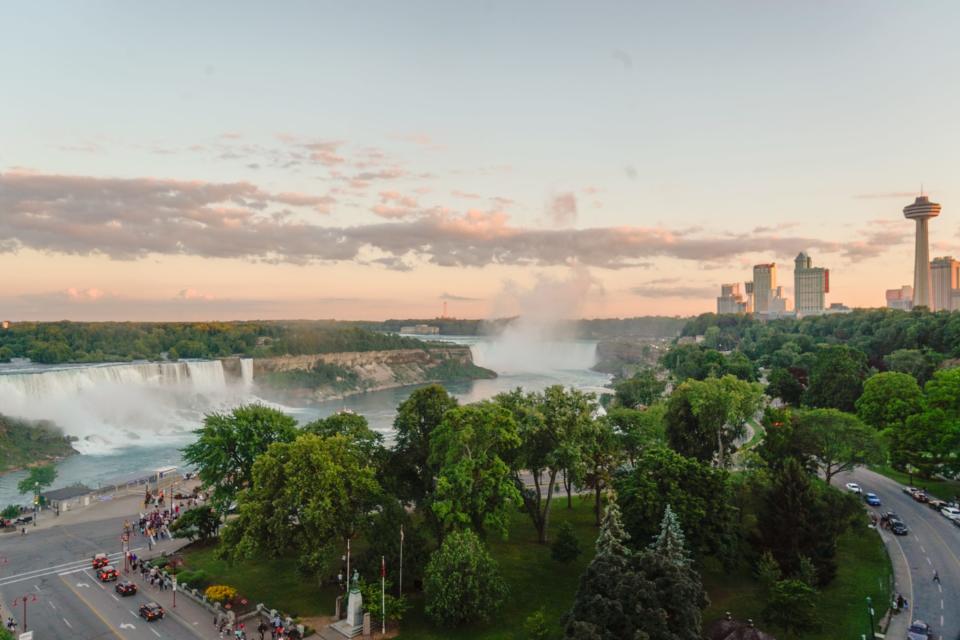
(383, 567)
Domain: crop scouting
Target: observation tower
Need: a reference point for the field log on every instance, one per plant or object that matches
(921, 210)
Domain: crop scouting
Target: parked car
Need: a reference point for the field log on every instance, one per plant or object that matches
(919, 630)
(951, 513)
(100, 560)
(937, 504)
(872, 499)
(898, 528)
(921, 496)
(107, 574)
(853, 487)
(126, 588)
(151, 611)
(910, 490)
(23, 520)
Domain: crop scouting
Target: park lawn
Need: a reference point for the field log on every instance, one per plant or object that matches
(535, 579)
(864, 570)
(943, 489)
(274, 582)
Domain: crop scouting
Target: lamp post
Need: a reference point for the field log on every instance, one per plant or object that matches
(31, 597)
(36, 502)
(873, 633)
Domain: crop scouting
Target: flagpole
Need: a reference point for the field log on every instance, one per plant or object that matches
(400, 592)
(383, 594)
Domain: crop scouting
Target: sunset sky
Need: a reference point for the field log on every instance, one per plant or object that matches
(228, 160)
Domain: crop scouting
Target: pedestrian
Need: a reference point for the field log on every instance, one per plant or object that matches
(262, 628)
(936, 576)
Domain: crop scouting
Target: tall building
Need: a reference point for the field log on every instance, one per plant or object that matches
(901, 298)
(778, 307)
(944, 283)
(764, 283)
(731, 300)
(810, 286)
(921, 210)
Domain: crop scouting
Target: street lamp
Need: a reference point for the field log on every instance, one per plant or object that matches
(873, 633)
(36, 502)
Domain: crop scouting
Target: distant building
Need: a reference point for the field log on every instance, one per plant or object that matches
(778, 306)
(764, 283)
(420, 330)
(810, 286)
(901, 298)
(748, 289)
(731, 300)
(944, 283)
(6, 324)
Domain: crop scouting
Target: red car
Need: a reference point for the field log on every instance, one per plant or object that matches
(100, 560)
(126, 588)
(108, 574)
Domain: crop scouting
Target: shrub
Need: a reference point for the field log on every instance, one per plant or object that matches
(196, 579)
(10, 512)
(220, 593)
(566, 546)
(536, 626)
(462, 583)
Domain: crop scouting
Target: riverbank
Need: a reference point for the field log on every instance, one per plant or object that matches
(25, 444)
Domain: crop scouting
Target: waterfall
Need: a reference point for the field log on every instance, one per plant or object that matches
(115, 405)
(246, 372)
(520, 352)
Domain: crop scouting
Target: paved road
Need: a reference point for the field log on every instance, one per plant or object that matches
(933, 544)
(52, 563)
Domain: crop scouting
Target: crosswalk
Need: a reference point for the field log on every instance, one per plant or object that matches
(63, 569)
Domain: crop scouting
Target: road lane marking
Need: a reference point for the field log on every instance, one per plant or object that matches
(907, 564)
(929, 562)
(115, 597)
(940, 588)
(922, 549)
(67, 622)
(52, 606)
(132, 613)
(92, 608)
(66, 567)
(941, 603)
(158, 635)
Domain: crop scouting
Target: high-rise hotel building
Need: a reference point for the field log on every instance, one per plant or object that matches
(810, 286)
(764, 284)
(731, 300)
(944, 284)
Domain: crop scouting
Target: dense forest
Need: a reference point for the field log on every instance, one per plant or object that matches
(591, 329)
(59, 342)
(23, 442)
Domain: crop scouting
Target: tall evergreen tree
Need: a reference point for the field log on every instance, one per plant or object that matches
(613, 537)
(670, 542)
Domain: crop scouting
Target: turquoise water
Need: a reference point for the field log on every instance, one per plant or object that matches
(532, 367)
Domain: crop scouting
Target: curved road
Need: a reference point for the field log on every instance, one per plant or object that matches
(933, 544)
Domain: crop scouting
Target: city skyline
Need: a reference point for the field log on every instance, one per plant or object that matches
(590, 154)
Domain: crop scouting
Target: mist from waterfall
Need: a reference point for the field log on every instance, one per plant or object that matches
(539, 339)
(112, 406)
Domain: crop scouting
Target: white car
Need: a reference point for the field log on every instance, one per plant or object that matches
(951, 513)
(853, 487)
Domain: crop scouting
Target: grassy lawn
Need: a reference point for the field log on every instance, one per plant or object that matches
(864, 570)
(943, 489)
(275, 583)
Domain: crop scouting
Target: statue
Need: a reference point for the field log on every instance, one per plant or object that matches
(355, 581)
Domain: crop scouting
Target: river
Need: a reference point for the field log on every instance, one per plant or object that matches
(134, 418)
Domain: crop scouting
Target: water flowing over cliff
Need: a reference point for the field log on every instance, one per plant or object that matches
(115, 405)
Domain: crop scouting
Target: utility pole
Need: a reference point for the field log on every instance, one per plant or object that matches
(36, 502)
(400, 591)
(873, 632)
(23, 600)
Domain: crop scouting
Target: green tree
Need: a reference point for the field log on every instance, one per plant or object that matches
(915, 362)
(638, 430)
(536, 626)
(382, 535)
(412, 474)
(783, 384)
(474, 485)
(566, 547)
(705, 417)
(643, 389)
(10, 512)
(700, 495)
(356, 428)
(6, 353)
(836, 378)
(462, 584)
(792, 606)
(889, 399)
(943, 391)
(670, 543)
(42, 477)
(601, 454)
(196, 524)
(307, 497)
(926, 442)
(839, 441)
(228, 444)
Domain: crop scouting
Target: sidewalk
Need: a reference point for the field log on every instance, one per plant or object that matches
(899, 623)
(194, 616)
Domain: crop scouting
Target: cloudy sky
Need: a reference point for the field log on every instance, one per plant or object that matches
(186, 160)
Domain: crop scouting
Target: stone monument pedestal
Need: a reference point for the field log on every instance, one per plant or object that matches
(352, 625)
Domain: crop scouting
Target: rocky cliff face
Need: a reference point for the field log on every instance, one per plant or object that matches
(330, 375)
